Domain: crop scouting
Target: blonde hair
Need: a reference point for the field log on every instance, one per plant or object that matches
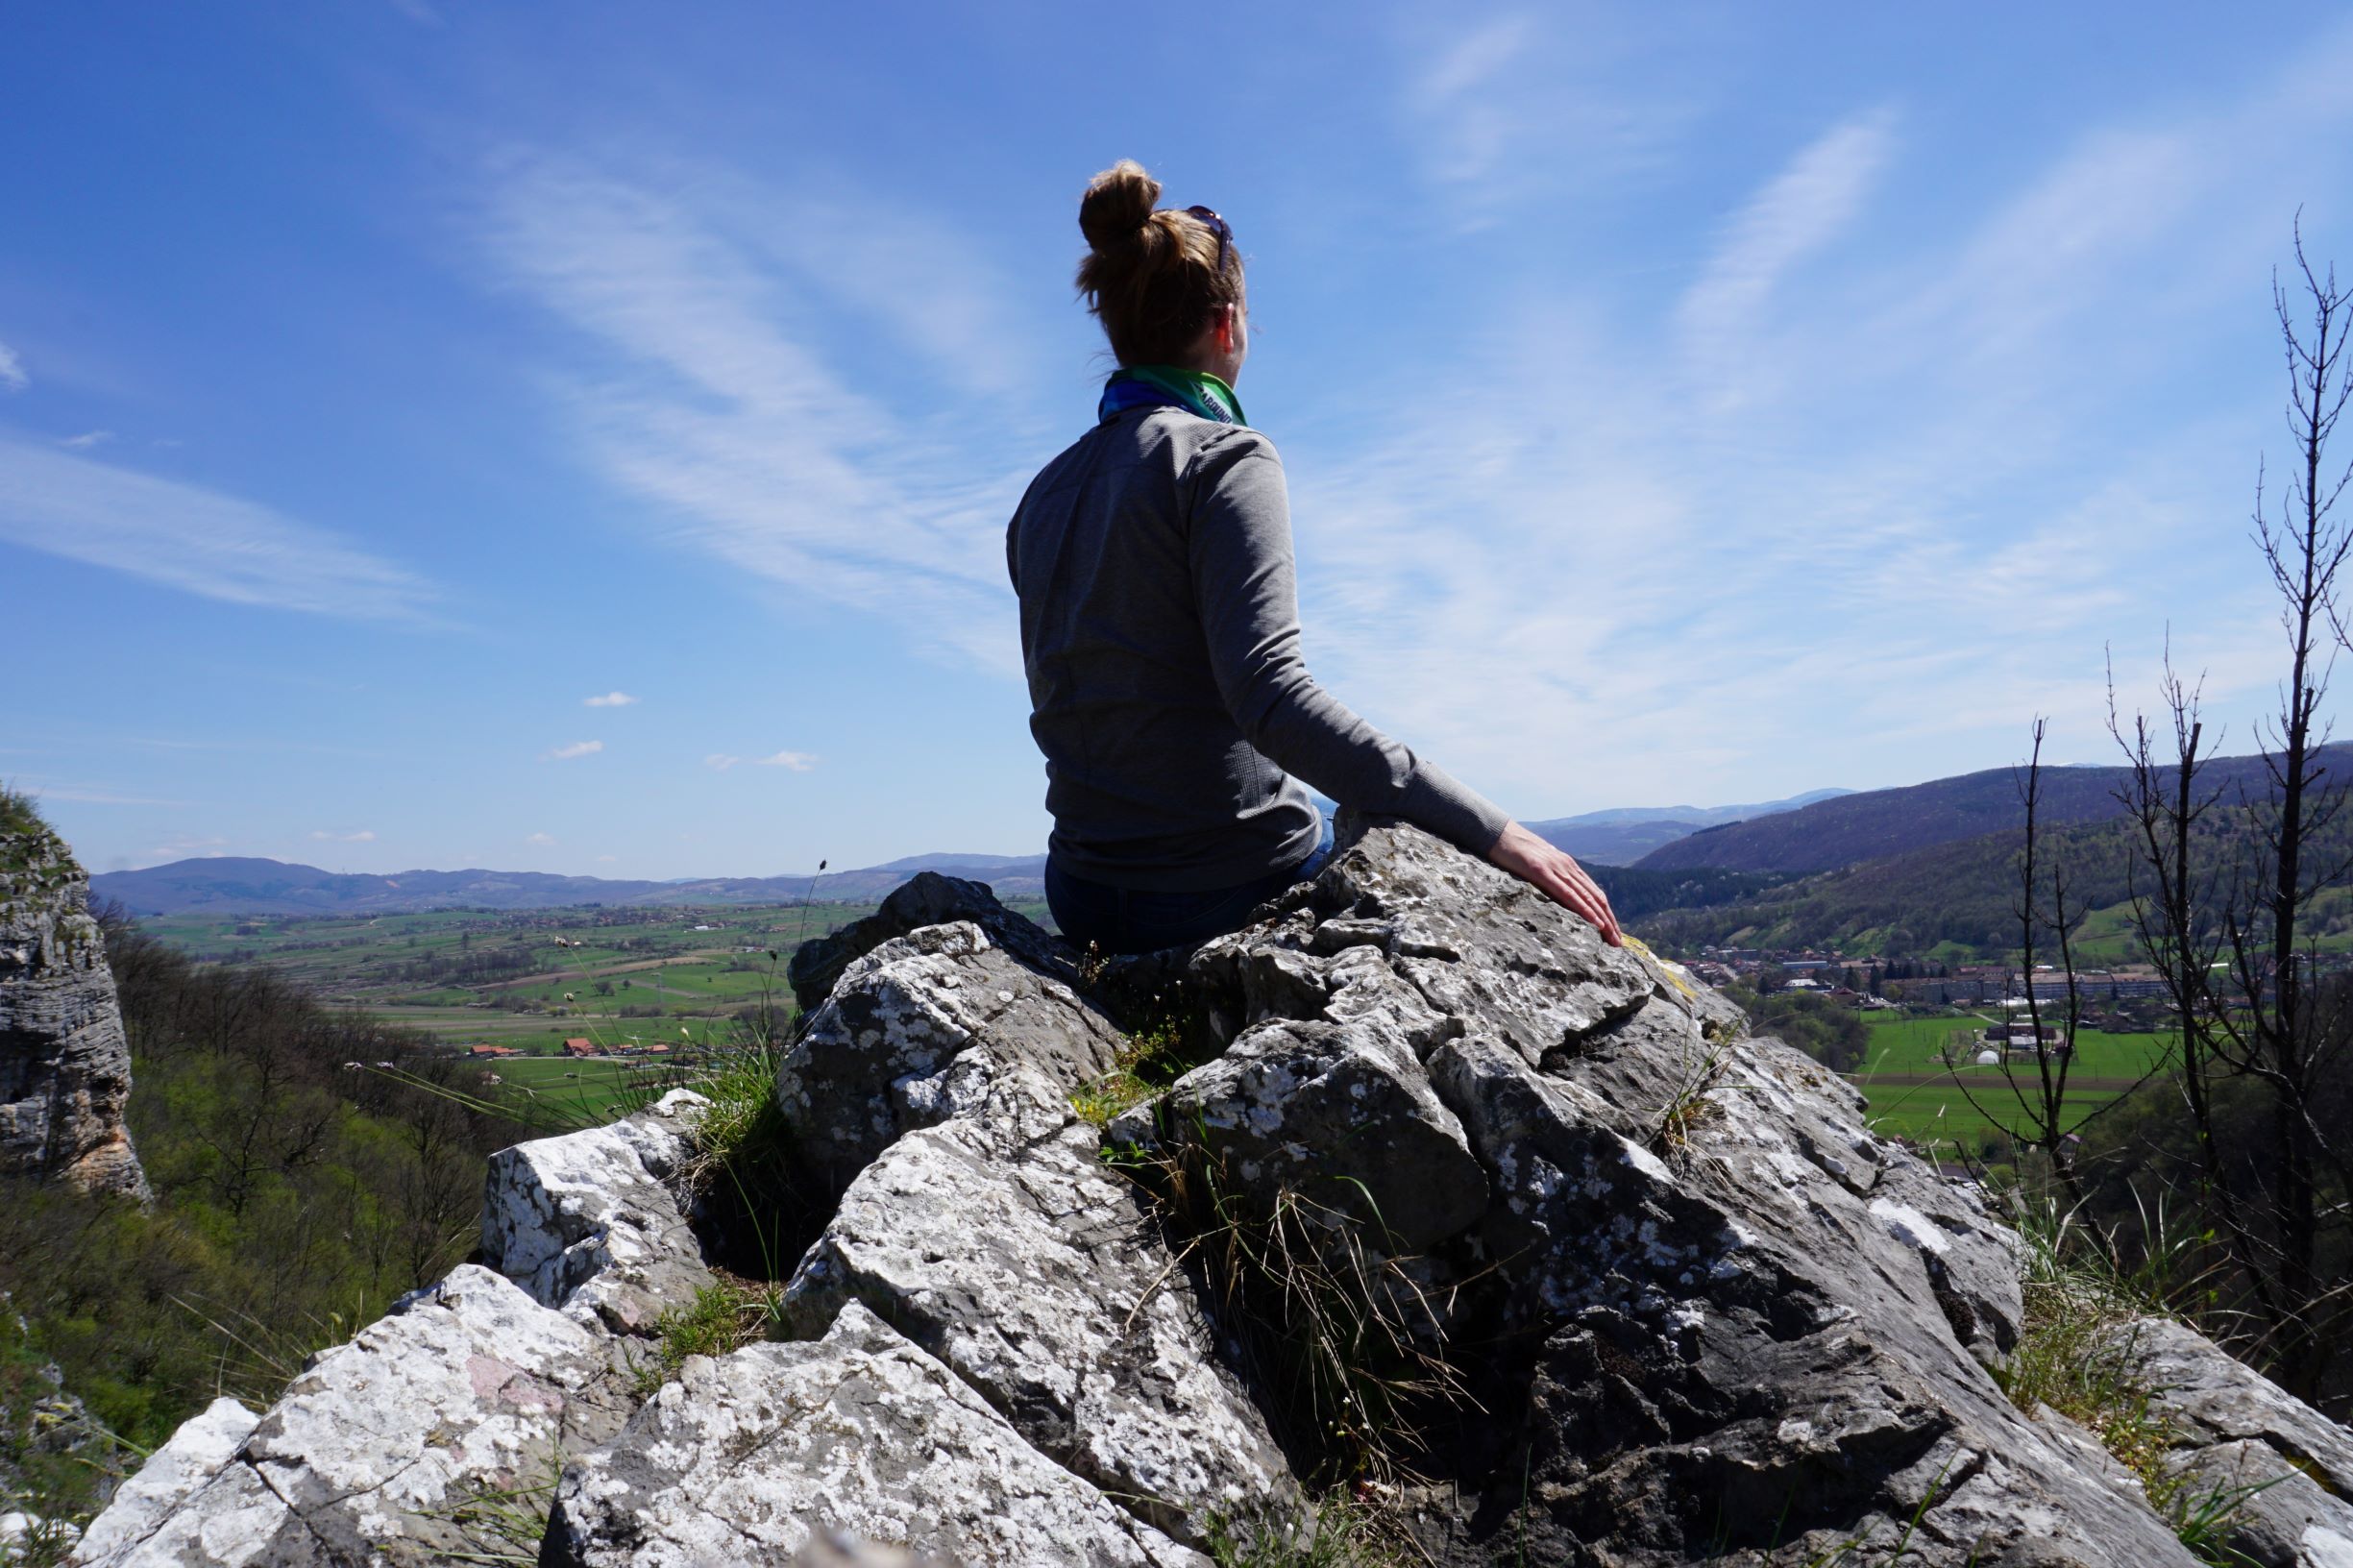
(1153, 278)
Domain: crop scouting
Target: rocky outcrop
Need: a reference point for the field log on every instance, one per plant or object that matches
(426, 1437)
(2282, 1471)
(1675, 1303)
(64, 1064)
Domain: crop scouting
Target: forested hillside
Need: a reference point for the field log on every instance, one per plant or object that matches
(1875, 824)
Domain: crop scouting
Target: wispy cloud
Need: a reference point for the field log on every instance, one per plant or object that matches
(13, 376)
(89, 796)
(712, 401)
(575, 749)
(1797, 213)
(543, 840)
(193, 539)
(362, 835)
(1519, 104)
(610, 700)
(87, 440)
(798, 762)
(1578, 570)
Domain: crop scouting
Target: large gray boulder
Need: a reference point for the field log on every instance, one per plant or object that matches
(1000, 1244)
(1758, 1330)
(894, 1047)
(594, 1222)
(2284, 1470)
(64, 1063)
(468, 1389)
(753, 1457)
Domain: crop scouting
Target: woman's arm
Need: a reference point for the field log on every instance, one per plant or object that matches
(1241, 548)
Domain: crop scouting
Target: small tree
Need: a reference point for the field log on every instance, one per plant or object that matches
(2223, 894)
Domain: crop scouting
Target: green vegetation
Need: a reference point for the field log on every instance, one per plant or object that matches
(19, 813)
(2082, 1297)
(1333, 1532)
(723, 1317)
(1151, 1061)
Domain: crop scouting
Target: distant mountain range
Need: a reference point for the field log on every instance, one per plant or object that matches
(234, 884)
(1624, 834)
(230, 885)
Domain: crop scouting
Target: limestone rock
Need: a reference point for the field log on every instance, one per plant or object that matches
(892, 1048)
(468, 1387)
(1342, 1113)
(590, 1221)
(2287, 1468)
(64, 1063)
(1002, 1244)
(927, 899)
(757, 1455)
(202, 1447)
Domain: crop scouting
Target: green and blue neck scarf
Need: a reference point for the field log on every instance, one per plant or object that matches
(1196, 391)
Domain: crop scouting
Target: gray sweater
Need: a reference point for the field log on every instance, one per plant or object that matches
(1159, 630)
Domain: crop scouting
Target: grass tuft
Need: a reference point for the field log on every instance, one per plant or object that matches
(1151, 1061)
(1347, 1528)
(2082, 1293)
(724, 1318)
(1330, 1316)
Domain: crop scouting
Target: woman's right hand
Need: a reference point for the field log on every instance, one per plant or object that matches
(1552, 873)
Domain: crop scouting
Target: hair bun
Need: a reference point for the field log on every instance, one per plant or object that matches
(1117, 204)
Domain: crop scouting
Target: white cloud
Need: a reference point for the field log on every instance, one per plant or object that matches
(710, 401)
(606, 859)
(187, 537)
(543, 840)
(1801, 211)
(1578, 574)
(87, 440)
(575, 749)
(362, 835)
(798, 762)
(1521, 105)
(13, 374)
(610, 700)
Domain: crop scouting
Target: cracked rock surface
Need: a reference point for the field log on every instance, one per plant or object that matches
(755, 1454)
(477, 1385)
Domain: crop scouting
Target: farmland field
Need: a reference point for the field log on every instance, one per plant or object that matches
(530, 980)
(1913, 1094)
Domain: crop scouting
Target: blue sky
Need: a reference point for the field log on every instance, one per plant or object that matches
(580, 438)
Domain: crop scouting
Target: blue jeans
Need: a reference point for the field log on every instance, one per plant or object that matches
(1124, 920)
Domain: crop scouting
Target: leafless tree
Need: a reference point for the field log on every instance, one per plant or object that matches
(2225, 889)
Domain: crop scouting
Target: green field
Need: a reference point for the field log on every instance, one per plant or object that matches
(1915, 1095)
(532, 979)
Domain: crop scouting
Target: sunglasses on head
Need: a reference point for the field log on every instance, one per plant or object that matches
(1220, 227)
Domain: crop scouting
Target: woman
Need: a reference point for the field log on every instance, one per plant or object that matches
(1160, 627)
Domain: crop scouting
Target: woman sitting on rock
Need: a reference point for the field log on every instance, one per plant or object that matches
(1160, 627)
